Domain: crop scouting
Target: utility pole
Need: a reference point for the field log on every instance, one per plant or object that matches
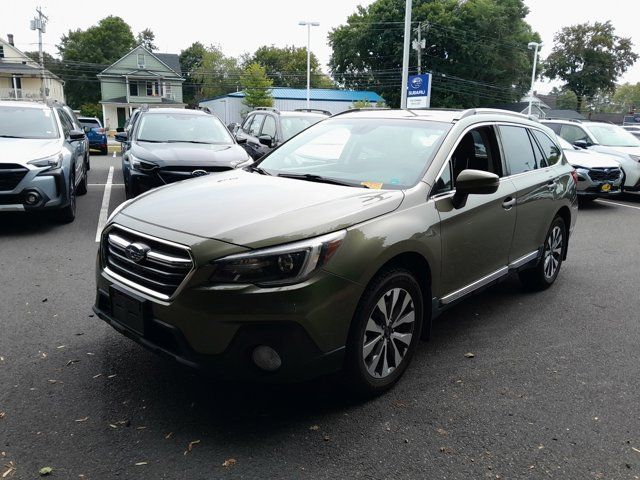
(418, 45)
(533, 46)
(39, 23)
(405, 53)
(308, 25)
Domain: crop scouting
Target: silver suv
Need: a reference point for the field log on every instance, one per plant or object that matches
(43, 164)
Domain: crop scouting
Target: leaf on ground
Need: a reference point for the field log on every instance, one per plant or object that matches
(61, 346)
(447, 450)
(45, 300)
(111, 376)
(168, 436)
(141, 463)
(10, 470)
(71, 362)
(98, 375)
(229, 462)
(113, 426)
(469, 355)
(84, 419)
(327, 438)
(442, 431)
(191, 445)
(314, 427)
(635, 449)
(45, 471)
(2, 414)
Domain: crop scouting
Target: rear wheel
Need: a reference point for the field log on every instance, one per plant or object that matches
(384, 333)
(546, 271)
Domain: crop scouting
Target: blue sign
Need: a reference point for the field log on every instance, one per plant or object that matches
(419, 91)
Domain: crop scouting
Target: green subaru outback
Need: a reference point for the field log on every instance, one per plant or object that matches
(337, 250)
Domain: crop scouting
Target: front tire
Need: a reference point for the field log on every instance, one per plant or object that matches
(544, 274)
(384, 333)
(68, 214)
(83, 185)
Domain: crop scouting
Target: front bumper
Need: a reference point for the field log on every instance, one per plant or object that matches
(588, 187)
(51, 187)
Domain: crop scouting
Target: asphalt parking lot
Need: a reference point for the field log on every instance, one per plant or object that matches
(551, 391)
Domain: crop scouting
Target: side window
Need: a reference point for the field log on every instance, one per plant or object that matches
(477, 150)
(551, 151)
(517, 149)
(572, 134)
(247, 123)
(269, 126)
(254, 129)
(444, 183)
(554, 126)
(66, 123)
(541, 159)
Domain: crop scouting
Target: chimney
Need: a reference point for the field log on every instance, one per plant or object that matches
(10, 39)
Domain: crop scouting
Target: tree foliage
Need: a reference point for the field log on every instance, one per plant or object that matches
(287, 66)
(567, 100)
(214, 73)
(477, 50)
(146, 38)
(257, 86)
(190, 59)
(86, 52)
(589, 58)
(627, 98)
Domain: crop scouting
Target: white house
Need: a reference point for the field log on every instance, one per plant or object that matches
(21, 77)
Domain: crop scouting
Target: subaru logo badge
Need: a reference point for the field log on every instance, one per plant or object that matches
(199, 173)
(136, 252)
(416, 82)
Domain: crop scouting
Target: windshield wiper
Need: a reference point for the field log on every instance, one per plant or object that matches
(188, 141)
(261, 171)
(151, 141)
(320, 179)
(10, 136)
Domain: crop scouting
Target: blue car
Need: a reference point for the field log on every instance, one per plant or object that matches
(95, 133)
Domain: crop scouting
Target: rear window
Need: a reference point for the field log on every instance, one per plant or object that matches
(89, 122)
(517, 149)
(27, 122)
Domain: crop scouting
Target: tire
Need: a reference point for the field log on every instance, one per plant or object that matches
(104, 150)
(374, 344)
(127, 191)
(82, 186)
(68, 213)
(87, 162)
(544, 274)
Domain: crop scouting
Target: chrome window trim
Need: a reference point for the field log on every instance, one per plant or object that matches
(523, 260)
(461, 292)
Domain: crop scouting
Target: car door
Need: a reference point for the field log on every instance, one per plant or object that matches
(477, 236)
(248, 134)
(536, 188)
(75, 146)
(269, 128)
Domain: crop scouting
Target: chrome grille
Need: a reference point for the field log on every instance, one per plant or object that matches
(177, 173)
(11, 175)
(150, 265)
(600, 174)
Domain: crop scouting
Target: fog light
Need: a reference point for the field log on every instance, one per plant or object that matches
(266, 358)
(32, 198)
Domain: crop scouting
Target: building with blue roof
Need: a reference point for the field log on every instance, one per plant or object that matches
(230, 108)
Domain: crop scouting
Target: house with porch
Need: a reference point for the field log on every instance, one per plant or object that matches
(23, 78)
(139, 78)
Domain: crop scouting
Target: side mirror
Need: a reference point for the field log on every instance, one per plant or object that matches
(474, 182)
(241, 140)
(233, 127)
(86, 129)
(122, 137)
(266, 140)
(582, 143)
(120, 129)
(76, 135)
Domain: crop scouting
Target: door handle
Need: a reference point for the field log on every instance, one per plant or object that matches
(551, 184)
(508, 203)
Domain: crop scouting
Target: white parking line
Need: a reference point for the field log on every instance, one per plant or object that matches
(619, 204)
(103, 184)
(104, 209)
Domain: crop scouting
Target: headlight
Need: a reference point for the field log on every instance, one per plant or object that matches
(635, 158)
(283, 265)
(142, 165)
(117, 210)
(55, 161)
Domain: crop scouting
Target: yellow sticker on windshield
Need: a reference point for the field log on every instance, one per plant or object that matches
(372, 185)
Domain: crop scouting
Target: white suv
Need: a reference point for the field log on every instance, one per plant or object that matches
(605, 138)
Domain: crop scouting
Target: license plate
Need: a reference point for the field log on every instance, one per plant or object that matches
(128, 311)
(605, 188)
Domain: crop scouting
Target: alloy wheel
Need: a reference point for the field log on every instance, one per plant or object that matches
(388, 332)
(553, 252)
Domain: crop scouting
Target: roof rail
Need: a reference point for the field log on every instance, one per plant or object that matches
(271, 109)
(312, 110)
(144, 107)
(574, 120)
(365, 109)
(479, 111)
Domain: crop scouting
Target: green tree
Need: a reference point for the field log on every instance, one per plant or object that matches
(190, 59)
(567, 100)
(589, 58)
(256, 86)
(287, 66)
(92, 110)
(477, 50)
(146, 38)
(54, 65)
(85, 53)
(627, 98)
(215, 74)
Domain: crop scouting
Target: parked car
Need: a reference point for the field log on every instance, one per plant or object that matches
(266, 128)
(166, 145)
(288, 269)
(633, 130)
(43, 161)
(128, 127)
(96, 134)
(83, 144)
(599, 174)
(605, 138)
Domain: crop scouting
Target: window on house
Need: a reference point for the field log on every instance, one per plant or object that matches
(141, 62)
(17, 82)
(133, 89)
(1, 51)
(167, 90)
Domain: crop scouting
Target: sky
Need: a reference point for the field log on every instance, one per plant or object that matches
(243, 27)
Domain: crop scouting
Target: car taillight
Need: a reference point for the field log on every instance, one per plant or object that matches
(100, 131)
(574, 175)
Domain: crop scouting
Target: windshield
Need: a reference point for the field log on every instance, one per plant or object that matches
(564, 144)
(613, 136)
(380, 153)
(182, 127)
(293, 125)
(27, 122)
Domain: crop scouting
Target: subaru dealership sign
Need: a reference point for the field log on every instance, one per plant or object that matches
(419, 91)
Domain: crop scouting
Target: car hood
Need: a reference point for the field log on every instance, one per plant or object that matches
(194, 154)
(591, 159)
(23, 150)
(620, 151)
(254, 210)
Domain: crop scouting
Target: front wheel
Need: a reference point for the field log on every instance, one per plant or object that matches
(546, 271)
(83, 185)
(68, 213)
(385, 332)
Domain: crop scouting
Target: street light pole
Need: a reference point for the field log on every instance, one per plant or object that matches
(405, 53)
(535, 46)
(308, 25)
